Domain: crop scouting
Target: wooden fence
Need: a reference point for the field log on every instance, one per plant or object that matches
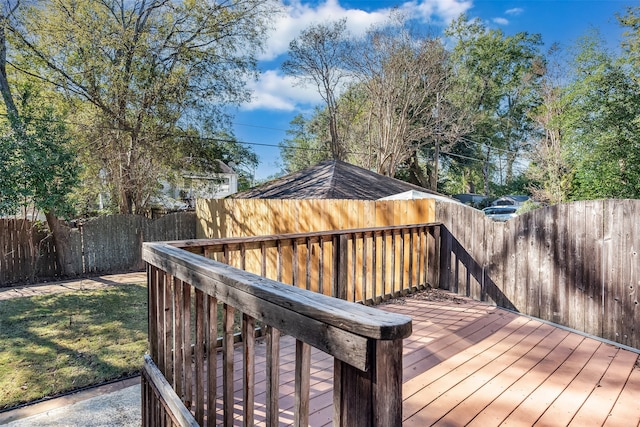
(109, 243)
(19, 241)
(574, 264)
(258, 217)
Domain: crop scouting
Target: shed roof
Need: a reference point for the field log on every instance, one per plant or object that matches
(330, 179)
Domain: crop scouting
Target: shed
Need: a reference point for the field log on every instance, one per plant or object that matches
(331, 179)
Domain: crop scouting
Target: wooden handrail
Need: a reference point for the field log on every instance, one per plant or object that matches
(365, 342)
(210, 276)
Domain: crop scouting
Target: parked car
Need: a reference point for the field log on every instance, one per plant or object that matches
(500, 213)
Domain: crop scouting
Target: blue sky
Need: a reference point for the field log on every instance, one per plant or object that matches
(262, 123)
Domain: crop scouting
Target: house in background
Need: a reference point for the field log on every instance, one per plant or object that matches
(190, 185)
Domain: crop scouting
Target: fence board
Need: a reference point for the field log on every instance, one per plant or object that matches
(105, 244)
(574, 264)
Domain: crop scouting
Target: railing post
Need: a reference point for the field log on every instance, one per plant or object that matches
(373, 397)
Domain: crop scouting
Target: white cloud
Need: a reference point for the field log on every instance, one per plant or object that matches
(299, 15)
(501, 21)
(514, 11)
(442, 10)
(275, 91)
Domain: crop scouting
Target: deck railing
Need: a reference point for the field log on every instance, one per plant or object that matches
(360, 265)
(180, 373)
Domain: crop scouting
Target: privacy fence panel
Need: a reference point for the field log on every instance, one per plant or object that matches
(109, 243)
(20, 243)
(258, 217)
(573, 264)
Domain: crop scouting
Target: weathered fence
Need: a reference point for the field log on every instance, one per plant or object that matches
(258, 217)
(574, 264)
(109, 243)
(25, 252)
(180, 375)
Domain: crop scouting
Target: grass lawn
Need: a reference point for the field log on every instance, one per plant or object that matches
(56, 343)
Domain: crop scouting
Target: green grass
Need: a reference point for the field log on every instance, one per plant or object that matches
(52, 344)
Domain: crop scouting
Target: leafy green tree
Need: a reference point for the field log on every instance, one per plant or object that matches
(302, 148)
(38, 168)
(139, 72)
(499, 78)
(603, 121)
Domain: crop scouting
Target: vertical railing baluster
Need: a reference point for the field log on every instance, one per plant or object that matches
(152, 302)
(353, 267)
(335, 266)
(212, 366)
(273, 377)
(199, 356)
(243, 256)
(178, 349)
(321, 266)
(412, 254)
(340, 274)
(263, 254)
(160, 320)
(364, 267)
(186, 344)
(225, 254)
(248, 345)
(302, 384)
(308, 264)
(419, 253)
(394, 251)
(168, 327)
(295, 280)
(227, 365)
(279, 261)
(383, 289)
(374, 270)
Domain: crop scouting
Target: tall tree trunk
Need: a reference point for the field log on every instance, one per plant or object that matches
(62, 242)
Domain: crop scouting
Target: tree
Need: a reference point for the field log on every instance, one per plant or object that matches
(141, 73)
(405, 79)
(301, 149)
(550, 168)
(500, 76)
(37, 167)
(318, 56)
(602, 122)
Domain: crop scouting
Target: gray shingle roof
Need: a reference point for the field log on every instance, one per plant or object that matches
(331, 179)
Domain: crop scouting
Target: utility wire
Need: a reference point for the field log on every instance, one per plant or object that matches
(257, 144)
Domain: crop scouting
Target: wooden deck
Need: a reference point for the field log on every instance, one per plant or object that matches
(468, 363)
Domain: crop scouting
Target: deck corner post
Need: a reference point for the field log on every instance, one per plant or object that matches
(374, 397)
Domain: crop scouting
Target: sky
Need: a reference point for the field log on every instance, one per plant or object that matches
(262, 123)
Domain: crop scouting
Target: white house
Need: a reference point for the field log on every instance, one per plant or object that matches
(190, 186)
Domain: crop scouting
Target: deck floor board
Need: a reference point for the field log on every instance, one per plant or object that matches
(470, 363)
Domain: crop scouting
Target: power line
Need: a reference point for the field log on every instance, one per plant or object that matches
(257, 144)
